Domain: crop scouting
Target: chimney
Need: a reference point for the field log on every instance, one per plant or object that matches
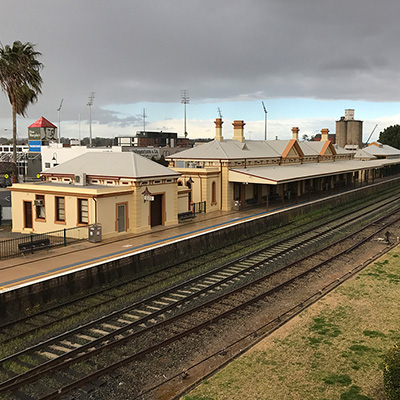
(295, 133)
(218, 129)
(324, 135)
(238, 128)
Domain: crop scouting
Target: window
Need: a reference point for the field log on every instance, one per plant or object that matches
(47, 165)
(39, 205)
(83, 215)
(60, 209)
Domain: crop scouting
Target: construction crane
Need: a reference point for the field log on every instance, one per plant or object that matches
(369, 137)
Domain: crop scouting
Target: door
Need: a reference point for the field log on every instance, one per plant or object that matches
(28, 214)
(121, 217)
(156, 210)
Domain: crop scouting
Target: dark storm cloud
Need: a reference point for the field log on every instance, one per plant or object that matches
(131, 51)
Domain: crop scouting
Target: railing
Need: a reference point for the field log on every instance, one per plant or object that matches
(9, 248)
(198, 208)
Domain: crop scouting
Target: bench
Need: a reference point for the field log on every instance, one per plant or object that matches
(34, 245)
(186, 215)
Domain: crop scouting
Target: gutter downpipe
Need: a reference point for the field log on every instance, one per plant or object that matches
(95, 209)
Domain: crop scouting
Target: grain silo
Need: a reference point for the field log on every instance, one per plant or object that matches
(349, 130)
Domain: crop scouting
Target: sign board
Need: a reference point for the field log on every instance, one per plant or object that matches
(148, 198)
(35, 146)
(34, 134)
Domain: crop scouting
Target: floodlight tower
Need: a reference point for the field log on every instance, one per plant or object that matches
(89, 104)
(59, 123)
(265, 124)
(185, 100)
(144, 116)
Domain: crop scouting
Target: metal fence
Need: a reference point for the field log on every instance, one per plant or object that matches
(198, 208)
(9, 248)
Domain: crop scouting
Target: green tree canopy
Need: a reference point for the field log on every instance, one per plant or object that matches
(20, 79)
(391, 136)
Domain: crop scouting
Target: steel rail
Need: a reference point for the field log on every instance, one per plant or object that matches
(238, 289)
(175, 288)
(85, 310)
(303, 304)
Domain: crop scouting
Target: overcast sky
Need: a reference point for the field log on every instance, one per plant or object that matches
(307, 60)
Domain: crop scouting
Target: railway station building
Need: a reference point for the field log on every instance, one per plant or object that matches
(238, 173)
(124, 192)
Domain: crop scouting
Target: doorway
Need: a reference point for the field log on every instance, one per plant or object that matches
(28, 215)
(156, 210)
(121, 217)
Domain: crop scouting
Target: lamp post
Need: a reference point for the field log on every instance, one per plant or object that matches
(265, 123)
(89, 104)
(184, 100)
(59, 122)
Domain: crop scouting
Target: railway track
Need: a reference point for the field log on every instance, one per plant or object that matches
(111, 298)
(31, 371)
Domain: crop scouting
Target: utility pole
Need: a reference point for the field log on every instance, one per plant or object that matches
(184, 100)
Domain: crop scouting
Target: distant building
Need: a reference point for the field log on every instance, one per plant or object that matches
(153, 139)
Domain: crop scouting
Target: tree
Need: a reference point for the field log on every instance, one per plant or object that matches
(20, 79)
(390, 136)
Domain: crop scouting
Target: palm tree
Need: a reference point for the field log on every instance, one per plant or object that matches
(20, 79)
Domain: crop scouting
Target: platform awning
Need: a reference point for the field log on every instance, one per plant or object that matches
(274, 175)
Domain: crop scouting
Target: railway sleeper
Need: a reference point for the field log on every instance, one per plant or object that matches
(85, 337)
(48, 355)
(109, 326)
(59, 348)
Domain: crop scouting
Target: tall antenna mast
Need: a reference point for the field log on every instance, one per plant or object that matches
(90, 103)
(144, 120)
(184, 100)
(265, 124)
(219, 113)
(59, 123)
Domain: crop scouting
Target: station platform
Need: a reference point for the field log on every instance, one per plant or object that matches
(45, 264)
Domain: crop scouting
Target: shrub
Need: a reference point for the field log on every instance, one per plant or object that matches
(391, 373)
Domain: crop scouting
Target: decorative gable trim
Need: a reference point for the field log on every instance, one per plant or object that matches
(293, 146)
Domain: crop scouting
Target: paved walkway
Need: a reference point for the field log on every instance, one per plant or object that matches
(21, 270)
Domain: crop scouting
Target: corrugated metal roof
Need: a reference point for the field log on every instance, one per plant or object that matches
(382, 150)
(290, 173)
(233, 149)
(128, 165)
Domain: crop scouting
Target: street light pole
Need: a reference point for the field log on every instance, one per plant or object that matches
(59, 123)
(185, 100)
(265, 123)
(90, 103)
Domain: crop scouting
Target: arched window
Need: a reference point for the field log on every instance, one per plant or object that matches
(213, 193)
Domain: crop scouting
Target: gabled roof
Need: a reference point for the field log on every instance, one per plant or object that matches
(383, 150)
(362, 154)
(320, 148)
(127, 165)
(233, 149)
(42, 122)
